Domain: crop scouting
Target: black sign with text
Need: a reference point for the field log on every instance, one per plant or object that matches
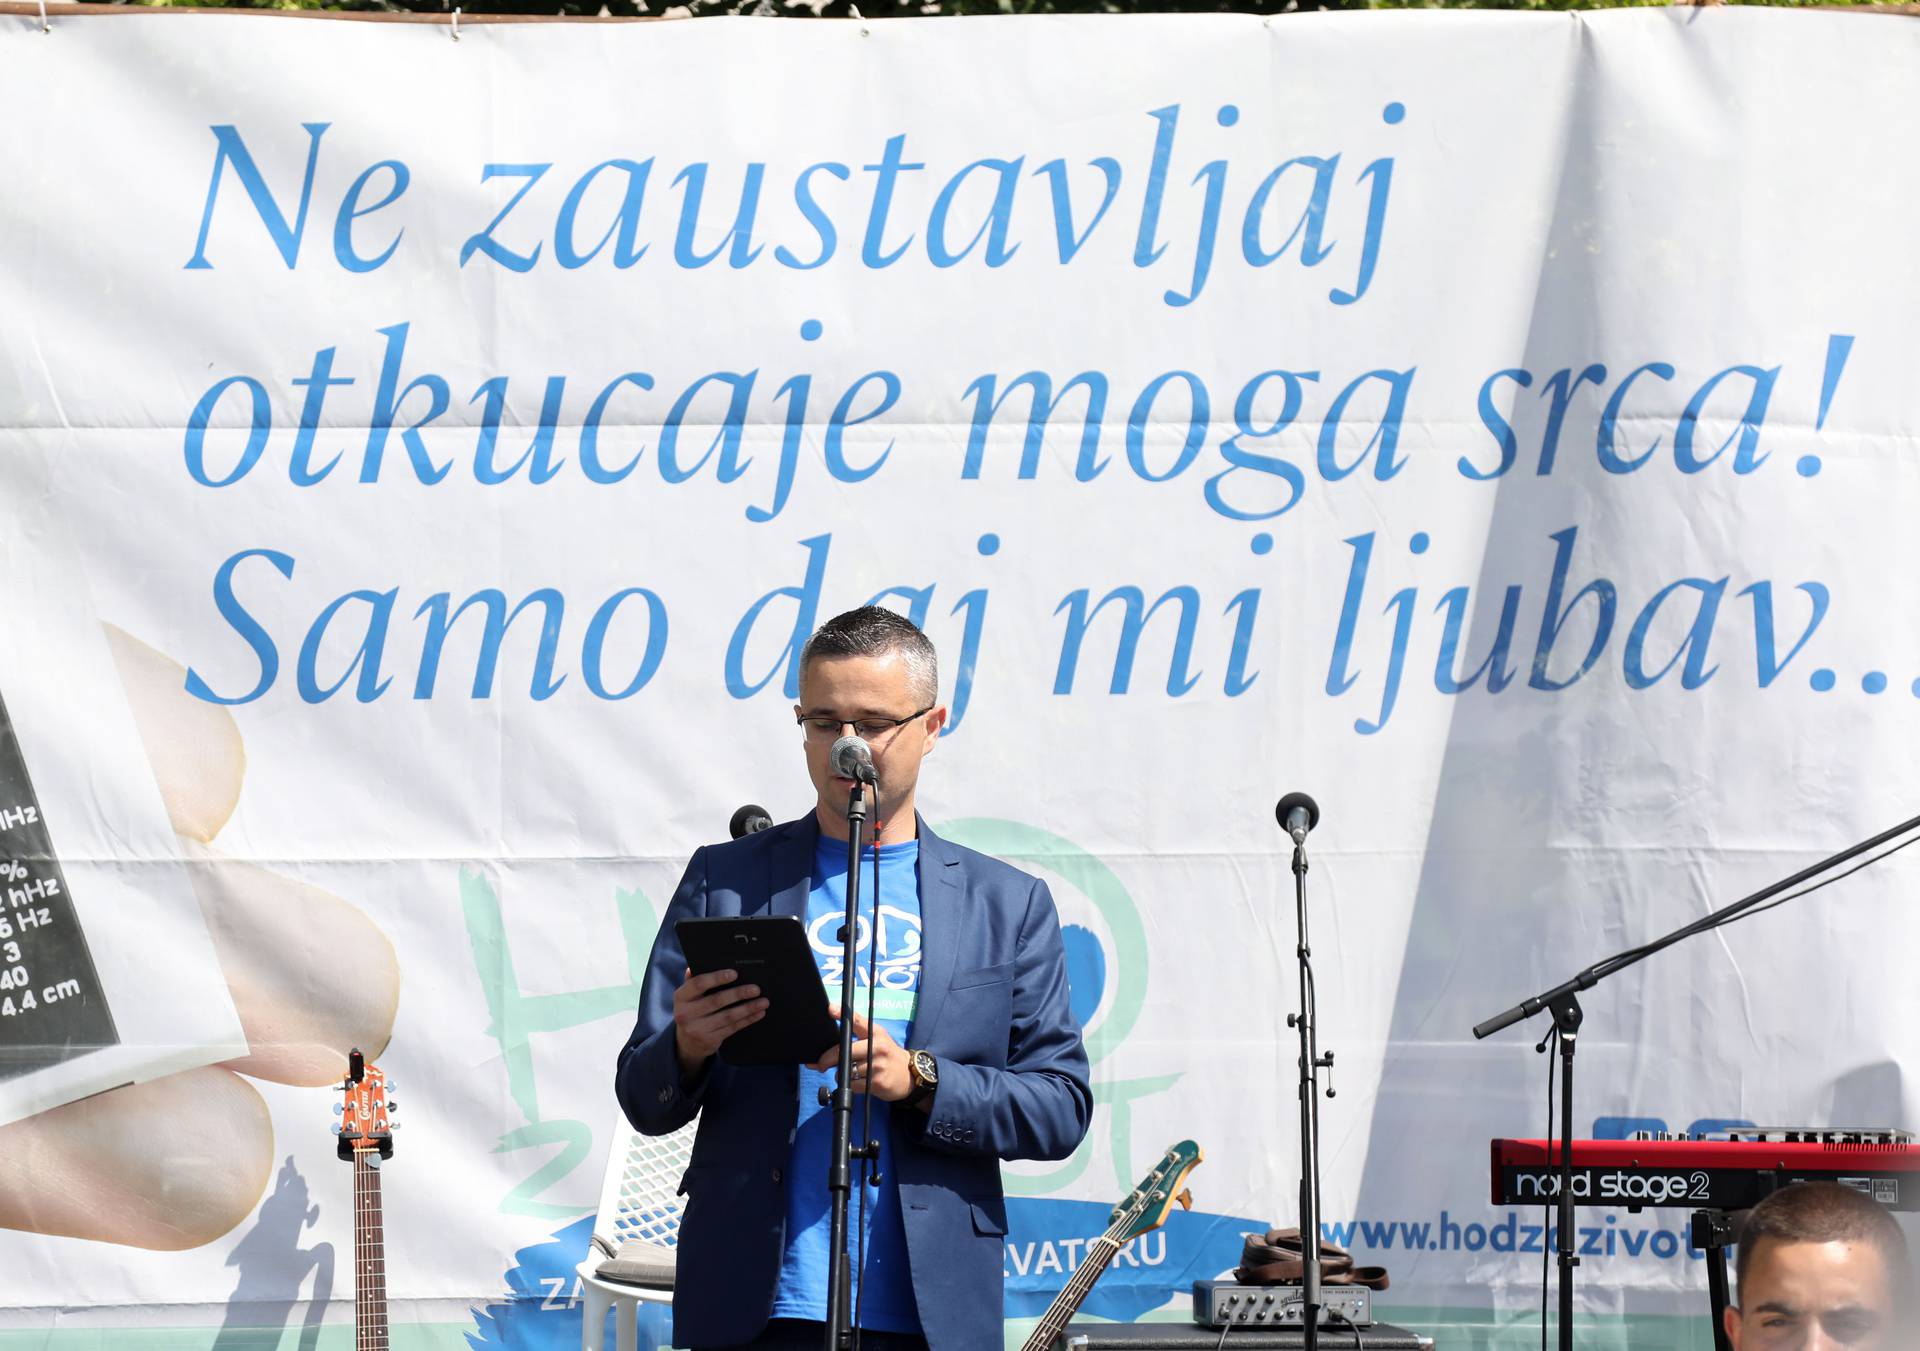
(51, 1006)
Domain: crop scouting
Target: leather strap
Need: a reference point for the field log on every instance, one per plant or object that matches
(1274, 1258)
(1282, 1245)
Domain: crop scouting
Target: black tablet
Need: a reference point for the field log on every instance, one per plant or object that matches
(769, 951)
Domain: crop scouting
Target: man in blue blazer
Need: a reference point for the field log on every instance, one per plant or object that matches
(972, 1056)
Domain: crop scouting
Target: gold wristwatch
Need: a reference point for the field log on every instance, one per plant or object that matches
(926, 1076)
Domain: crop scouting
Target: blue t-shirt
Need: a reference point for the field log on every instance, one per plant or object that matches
(889, 1305)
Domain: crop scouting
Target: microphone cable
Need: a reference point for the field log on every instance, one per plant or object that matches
(869, 1154)
(1353, 1327)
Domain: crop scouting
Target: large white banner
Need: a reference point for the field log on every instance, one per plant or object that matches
(422, 456)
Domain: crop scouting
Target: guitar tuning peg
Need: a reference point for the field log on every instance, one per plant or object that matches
(392, 1106)
(339, 1130)
(339, 1109)
(1185, 1198)
(389, 1082)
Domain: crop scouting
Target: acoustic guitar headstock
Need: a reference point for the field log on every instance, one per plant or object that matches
(366, 1112)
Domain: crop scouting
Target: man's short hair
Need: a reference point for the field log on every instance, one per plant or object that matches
(872, 631)
(1821, 1212)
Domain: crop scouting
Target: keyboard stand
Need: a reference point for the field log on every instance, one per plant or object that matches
(1713, 1232)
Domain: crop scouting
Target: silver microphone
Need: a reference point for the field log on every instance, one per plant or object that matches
(852, 758)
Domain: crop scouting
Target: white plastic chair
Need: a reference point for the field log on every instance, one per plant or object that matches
(630, 1258)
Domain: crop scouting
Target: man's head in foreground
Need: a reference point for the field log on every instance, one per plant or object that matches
(1820, 1268)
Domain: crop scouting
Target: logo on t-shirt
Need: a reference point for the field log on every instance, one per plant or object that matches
(897, 963)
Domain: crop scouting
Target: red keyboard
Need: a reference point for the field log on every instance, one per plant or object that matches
(1732, 1173)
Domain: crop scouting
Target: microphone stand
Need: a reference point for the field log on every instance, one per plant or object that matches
(1311, 1063)
(841, 1333)
(1562, 1002)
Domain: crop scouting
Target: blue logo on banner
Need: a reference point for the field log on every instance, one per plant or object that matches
(1048, 1239)
(541, 1311)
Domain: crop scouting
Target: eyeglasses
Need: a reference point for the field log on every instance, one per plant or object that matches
(867, 729)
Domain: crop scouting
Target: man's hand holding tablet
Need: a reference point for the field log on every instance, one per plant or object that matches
(753, 994)
(707, 1010)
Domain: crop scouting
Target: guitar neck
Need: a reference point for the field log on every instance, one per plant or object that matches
(369, 1256)
(1067, 1303)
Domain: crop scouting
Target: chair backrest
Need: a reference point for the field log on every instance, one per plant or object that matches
(640, 1196)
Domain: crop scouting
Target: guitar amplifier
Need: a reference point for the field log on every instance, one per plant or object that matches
(1219, 1304)
(1187, 1337)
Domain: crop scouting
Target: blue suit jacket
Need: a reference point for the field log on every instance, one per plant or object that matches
(1013, 1085)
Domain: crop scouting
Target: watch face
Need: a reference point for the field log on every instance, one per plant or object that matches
(926, 1069)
